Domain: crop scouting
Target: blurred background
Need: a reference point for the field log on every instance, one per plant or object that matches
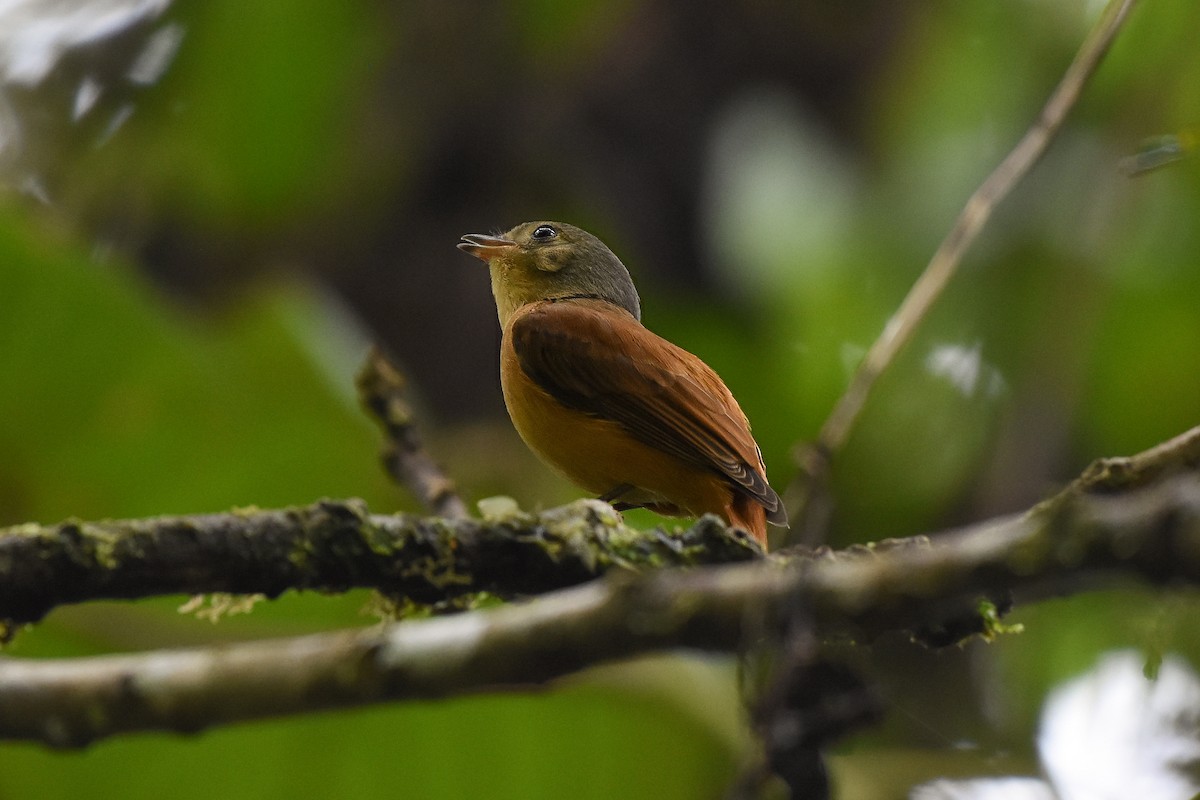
(208, 210)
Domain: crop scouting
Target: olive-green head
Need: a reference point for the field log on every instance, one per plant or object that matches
(551, 260)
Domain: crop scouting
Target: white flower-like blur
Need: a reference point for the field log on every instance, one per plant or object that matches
(1110, 734)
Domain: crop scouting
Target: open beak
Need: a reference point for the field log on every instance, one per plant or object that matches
(485, 247)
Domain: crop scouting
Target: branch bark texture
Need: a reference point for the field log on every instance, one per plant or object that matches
(332, 546)
(1098, 529)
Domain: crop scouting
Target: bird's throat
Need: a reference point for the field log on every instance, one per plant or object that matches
(506, 298)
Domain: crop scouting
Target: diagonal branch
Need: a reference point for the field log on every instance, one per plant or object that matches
(1097, 528)
(1150, 532)
(810, 487)
(337, 545)
(1177, 454)
(381, 391)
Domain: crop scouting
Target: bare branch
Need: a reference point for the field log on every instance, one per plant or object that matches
(809, 488)
(381, 391)
(1177, 454)
(1151, 532)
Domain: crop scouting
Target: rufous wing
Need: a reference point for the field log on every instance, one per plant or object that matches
(596, 358)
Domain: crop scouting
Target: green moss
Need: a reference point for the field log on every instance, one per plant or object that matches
(993, 625)
(300, 555)
(87, 543)
(213, 607)
(245, 511)
(499, 509)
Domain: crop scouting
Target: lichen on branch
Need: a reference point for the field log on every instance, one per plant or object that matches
(333, 546)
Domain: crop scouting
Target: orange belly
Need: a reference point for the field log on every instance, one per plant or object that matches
(600, 455)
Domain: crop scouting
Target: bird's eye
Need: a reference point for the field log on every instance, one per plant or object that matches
(543, 232)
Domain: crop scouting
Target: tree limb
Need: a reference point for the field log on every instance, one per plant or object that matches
(1149, 530)
(332, 546)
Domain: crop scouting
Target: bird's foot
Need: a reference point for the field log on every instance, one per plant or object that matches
(614, 493)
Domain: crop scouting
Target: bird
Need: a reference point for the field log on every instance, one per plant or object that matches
(607, 403)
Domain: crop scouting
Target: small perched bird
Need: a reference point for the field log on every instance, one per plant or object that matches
(612, 406)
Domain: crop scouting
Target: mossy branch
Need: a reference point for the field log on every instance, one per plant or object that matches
(335, 545)
(1098, 529)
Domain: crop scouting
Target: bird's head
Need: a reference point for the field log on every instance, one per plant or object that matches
(548, 261)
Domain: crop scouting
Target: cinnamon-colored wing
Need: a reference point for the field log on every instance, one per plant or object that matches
(607, 364)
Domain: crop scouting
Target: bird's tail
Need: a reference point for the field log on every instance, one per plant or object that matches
(748, 514)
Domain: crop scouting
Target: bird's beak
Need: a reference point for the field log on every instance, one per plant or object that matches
(485, 247)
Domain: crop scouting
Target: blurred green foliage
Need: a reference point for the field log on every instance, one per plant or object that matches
(1072, 332)
(119, 405)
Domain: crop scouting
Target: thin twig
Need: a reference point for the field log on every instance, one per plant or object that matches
(381, 390)
(810, 487)
(1177, 454)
